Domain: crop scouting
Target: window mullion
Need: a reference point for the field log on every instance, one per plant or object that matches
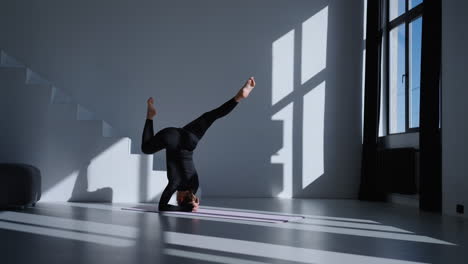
(406, 68)
(387, 70)
(407, 77)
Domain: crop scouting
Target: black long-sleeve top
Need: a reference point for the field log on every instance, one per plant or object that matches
(181, 172)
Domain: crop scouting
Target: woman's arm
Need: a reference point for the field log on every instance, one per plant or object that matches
(194, 183)
(164, 205)
(177, 208)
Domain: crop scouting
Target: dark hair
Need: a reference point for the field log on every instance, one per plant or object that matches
(186, 198)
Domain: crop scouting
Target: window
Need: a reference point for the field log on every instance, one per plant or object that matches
(403, 33)
(415, 28)
(397, 74)
(396, 8)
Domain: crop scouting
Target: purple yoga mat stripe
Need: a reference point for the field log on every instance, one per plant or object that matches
(153, 210)
(282, 218)
(224, 214)
(226, 217)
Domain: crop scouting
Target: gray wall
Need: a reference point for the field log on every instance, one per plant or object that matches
(454, 95)
(192, 56)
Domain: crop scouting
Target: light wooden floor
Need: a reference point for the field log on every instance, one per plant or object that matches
(334, 231)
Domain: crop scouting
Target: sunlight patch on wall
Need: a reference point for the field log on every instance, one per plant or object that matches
(284, 155)
(62, 190)
(282, 67)
(312, 135)
(282, 85)
(123, 173)
(116, 171)
(114, 168)
(157, 181)
(313, 60)
(314, 45)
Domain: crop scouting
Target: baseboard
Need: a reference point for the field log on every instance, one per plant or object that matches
(404, 199)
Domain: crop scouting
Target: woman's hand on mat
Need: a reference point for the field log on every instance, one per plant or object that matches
(195, 205)
(245, 90)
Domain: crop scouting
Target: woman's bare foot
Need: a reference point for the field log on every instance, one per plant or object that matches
(151, 112)
(245, 90)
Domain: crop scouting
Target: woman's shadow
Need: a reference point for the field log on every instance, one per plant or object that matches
(80, 191)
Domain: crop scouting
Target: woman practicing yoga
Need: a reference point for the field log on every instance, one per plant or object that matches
(180, 144)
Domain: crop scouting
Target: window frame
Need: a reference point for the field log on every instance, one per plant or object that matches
(404, 19)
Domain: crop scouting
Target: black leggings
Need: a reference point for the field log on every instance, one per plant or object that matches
(179, 144)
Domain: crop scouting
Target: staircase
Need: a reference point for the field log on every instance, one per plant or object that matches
(81, 157)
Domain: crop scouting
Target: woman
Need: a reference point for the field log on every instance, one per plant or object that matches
(180, 144)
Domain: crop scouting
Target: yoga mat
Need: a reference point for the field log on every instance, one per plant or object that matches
(216, 213)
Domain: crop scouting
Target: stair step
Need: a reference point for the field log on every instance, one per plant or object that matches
(9, 61)
(104, 130)
(107, 130)
(59, 96)
(72, 134)
(11, 76)
(63, 111)
(13, 85)
(34, 78)
(38, 93)
(85, 114)
(31, 100)
(108, 141)
(95, 125)
(65, 115)
(16, 96)
(90, 129)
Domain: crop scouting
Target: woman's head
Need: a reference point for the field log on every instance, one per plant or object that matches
(187, 198)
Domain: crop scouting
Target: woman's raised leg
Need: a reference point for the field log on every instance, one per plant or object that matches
(200, 125)
(151, 143)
